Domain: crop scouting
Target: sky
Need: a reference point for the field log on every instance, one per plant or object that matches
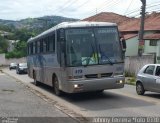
(80, 9)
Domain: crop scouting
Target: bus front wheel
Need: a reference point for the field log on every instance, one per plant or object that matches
(57, 91)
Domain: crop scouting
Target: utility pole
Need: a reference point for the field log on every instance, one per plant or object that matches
(141, 32)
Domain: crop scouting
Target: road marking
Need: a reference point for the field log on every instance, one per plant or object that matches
(2, 74)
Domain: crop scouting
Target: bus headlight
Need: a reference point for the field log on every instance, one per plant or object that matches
(120, 81)
(75, 86)
(78, 86)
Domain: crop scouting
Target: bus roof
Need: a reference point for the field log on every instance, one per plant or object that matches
(72, 25)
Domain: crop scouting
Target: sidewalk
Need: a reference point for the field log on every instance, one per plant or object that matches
(17, 101)
(45, 95)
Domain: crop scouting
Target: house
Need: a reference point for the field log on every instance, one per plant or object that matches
(11, 45)
(151, 35)
(108, 17)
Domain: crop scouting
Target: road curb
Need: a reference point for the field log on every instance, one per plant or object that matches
(78, 117)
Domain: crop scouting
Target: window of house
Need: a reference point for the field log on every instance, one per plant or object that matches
(153, 43)
(149, 69)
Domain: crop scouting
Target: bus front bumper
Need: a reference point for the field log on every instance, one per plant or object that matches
(77, 86)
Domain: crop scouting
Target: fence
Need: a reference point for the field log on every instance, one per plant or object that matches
(4, 61)
(134, 63)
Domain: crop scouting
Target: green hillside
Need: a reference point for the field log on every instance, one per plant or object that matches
(22, 30)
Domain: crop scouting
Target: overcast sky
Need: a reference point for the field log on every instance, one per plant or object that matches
(80, 9)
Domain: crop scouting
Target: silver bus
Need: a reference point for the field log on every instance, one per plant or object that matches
(77, 57)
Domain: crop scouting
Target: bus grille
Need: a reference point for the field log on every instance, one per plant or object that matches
(91, 76)
(98, 75)
(106, 74)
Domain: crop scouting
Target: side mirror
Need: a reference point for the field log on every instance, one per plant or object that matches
(123, 44)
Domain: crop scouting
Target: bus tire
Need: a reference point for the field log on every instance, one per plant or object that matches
(57, 91)
(35, 81)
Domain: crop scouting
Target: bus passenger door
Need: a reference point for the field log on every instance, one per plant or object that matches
(61, 53)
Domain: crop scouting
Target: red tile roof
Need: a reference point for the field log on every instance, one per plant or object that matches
(152, 22)
(152, 36)
(128, 36)
(107, 17)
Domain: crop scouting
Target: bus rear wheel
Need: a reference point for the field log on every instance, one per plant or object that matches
(35, 81)
(57, 91)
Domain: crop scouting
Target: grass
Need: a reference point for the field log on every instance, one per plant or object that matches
(131, 80)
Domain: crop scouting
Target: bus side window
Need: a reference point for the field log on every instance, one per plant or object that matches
(34, 47)
(41, 46)
(53, 39)
(31, 48)
(44, 45)
(47, 43)
(38, 46)
(28, 49)
(50, 44)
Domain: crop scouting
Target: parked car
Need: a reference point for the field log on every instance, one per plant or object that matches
(21, 68)
(148, 79)
(12, 66)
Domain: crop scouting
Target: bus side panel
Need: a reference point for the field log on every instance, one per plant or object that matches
(44, 66)
(51, 67)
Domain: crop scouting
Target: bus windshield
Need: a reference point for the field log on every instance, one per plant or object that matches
(93, 46)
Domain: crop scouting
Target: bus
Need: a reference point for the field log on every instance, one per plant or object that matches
(75, 57)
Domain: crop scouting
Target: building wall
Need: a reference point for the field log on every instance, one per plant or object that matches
(158, 52)
(134, 63)
(132, 46)
(14, 60)
(2, 59)
(148, 48)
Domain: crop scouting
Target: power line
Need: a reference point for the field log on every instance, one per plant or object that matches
(148, 6)
(68, 5)
(111, 4)
(83, 4)
(128, 7)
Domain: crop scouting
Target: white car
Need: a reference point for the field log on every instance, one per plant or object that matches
(12, 66)
(148, 79)
(21, 68)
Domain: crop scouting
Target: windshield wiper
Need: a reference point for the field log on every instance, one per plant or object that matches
(103, 54)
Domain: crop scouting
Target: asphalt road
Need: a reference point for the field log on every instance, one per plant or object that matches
(18, 101)
(112, 103)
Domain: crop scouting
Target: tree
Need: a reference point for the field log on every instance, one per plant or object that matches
(23, 34)
(3, 45)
